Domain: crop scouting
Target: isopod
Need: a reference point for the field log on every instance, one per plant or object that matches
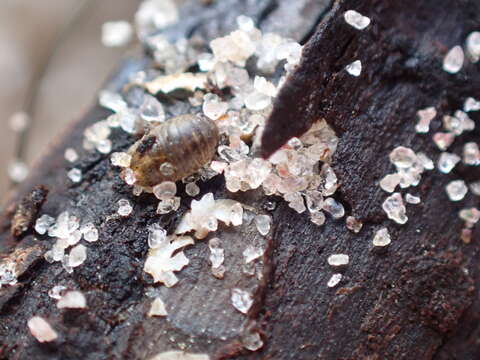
(173, 149)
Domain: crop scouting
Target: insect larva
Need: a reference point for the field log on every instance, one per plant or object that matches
(174, 149)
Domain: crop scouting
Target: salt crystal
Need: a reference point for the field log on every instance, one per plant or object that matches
(124, 207)
(334, 208)
(43, 223)
(355, 68)
(263, 223)
(19, 121)
(156, 236)
(72, 300)
(41, 329)
(411, 199)
(447, 162)
(458, 123)
(338, 259)
(116, 33)
(245, 23)
(242, 300)
(217, 255)
(470, 215)
(112, 101)
(252, 341)
(443, 140)
(155, 15)
(157, 308)
(75, 175)
(192, 189)
(334, 280)
(56, 292)
(381, 238)
(236, 47)
(165, 190)
(395, 209)
(472, 45)
(295, 201)
(314, 200)
(90, 232)
(353, 224)
(121, 159)
(257, 101)
(471, 154)
(390, 182)
(77, 256)
(475, 188)
(71, 155)
(471, 104)
(128, 175)
(263, 86)
(218, 166)
(8, 273)
(425, 161)
(318, 218)
(74, 237)
(355, 19)
(425, 116)
(167, 169)
(456, 190)
(213, 107)
(151, 109)
(453, 61)
(402, 157)
(167, 206)
(252, 253)
(17, 171)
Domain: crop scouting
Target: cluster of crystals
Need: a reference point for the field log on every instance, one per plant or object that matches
(8, 275)
(67, 231)
(205, 213)
(41, 329)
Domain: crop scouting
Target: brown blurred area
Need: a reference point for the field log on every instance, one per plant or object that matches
(67, 33)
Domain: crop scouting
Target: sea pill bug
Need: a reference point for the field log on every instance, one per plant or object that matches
(174, 149)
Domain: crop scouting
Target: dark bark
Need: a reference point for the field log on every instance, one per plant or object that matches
(416, 300)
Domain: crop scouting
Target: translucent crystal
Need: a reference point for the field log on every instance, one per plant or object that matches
(338, 259)
(443, 140)
(192, 189)
(403, 157)
(471, 104)
(357, 20)
(263, 223)
(71, 155)
(395, 209)
(447, 162)
(90, 232)
(156, 236)
(8, 274)
(41, 329)
(257, 101)
(213, 107)
(252, 341)
(167, 206)
(411, 199)
(17, 171)
(151, 109)
(425, 161)
(43, 223)
(217, 254)
(295, 201)
(353, 224)
(458, 123)
(425, 116)
(245, 23)
(334, 280)
(475, 188)
(157, 308)
(165, 190)
(472, 46)
(263, 86)
(116, 33)
(381, 238)
(155, 15)
(121, 159)
(456, 190)
(334, 208)
(390, 182)
(124, 207)
(470, 215)
(471, 154)
(128, 175)
(128, 121)
(251, 253)
(242, 300)
(318, 218)
(236, 47)
(77, 256)
(453, 61)
(355, 68)
(111, 100)
(167, 169)
(72, 300)
(75, 175)
(57, 291)
(314, 200)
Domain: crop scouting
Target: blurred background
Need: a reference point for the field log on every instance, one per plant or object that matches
(52, 62)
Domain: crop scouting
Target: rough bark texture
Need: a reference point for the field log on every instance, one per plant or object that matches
(418, 299)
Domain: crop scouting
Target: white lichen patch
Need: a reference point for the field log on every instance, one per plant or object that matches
(161, 263)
